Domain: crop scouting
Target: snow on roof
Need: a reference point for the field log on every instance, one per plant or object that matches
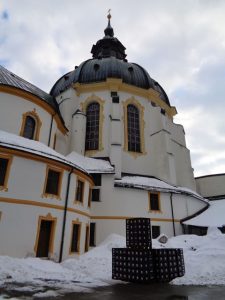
(17, 142)
(90, 164)
(154, 184)
(214, 216)
(74, 160)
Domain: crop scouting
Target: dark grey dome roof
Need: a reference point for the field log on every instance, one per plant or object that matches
(109, 61)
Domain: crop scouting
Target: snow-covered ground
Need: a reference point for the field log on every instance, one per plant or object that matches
(204, 262)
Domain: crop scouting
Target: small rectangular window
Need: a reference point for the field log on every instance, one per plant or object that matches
(79, 191)
(89, 197)
(154, 202)
(86, 239)
(155, 231)
(97, 179)
(75, 241)
(95, 195)
(3, 170)
(52, 185)
(92, 235)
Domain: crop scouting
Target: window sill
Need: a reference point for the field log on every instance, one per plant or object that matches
(155, 211)
(3, 188)
(51, 196)
(78, 202)
(135, 154)
(74, 252)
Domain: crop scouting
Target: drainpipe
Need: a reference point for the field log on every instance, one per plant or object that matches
(171, 203)
(64, 216)
(50, 131)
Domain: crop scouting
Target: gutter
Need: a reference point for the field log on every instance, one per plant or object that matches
(50, 131)
(172, 212)
(64, 216)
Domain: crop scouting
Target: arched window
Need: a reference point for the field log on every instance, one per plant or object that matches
(133, 128)
(92, 127)
(31, 125)
(29, 128)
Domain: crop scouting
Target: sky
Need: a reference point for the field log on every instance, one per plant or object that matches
(180, 43)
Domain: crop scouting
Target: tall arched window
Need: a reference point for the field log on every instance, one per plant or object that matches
(29, 128)
(133, 128)
(92, 127)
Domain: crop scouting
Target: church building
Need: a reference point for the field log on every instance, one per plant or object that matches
(101, 147)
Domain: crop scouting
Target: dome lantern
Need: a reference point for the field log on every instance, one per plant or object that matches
(109, 30)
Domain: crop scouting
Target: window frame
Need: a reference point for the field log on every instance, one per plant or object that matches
(141, 109)
(159, 202)
(79, 179)
(84, 105)
(94, 128)
(48, 217)
(133, 129)
(58, 170)
(78, 238)
(33, 114)
(8, 157)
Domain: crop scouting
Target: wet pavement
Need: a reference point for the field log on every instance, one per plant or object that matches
(153, 292)
(139, 291)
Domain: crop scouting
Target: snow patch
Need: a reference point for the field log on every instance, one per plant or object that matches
(204, 263)
(214, 216)
(154, 184)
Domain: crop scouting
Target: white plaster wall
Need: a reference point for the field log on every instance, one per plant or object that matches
(184, 171)
(78, 133)
(18, 223)
(18, 229)
(68, 104)
(162, 158)
(122, 203)
(211, 185)
(11, 113)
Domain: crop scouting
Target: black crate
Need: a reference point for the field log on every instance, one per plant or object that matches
(168, 263)
(138, 233)
(132, 265)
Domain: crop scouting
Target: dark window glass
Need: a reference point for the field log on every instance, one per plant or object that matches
(154, 201)
(87, 239)
(29, 128)
(155, 231)
(75, 238)
(3, 168)
(89, 197)
(52, 186)
(97, 179)
(222, 229)
(92, 127)
(79, 191)
(95, 195)
(92, 234)
(197, 230)
(133, 127)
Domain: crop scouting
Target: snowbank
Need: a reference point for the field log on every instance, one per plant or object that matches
(204, 262)
(213, 216)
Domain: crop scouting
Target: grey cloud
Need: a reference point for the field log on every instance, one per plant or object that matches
(180, 43)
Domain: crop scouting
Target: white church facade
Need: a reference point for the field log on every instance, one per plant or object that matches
(99, 148)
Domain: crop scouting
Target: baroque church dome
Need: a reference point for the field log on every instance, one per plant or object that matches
(108, 61)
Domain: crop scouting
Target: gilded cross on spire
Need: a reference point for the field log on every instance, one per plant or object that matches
(109, 15)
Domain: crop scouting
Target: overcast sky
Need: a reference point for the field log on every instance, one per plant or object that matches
(180, 43)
